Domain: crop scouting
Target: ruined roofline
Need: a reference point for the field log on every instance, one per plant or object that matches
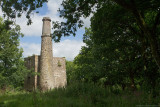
(59, 57)
(39, 55)
(31, 56)
(34, 55)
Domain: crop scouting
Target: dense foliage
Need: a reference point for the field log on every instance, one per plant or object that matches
(109, 65)
(122, 45)
(12, 69)
(146, 15)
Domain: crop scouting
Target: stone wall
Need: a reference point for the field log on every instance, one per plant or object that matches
(32, 64)
(59, 70)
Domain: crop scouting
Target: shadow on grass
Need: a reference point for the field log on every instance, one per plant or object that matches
(6, 103)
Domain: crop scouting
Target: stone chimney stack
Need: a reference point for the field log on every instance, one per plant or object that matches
(46, 57)
(46, 30)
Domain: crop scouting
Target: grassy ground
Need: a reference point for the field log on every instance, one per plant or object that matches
(78, 95)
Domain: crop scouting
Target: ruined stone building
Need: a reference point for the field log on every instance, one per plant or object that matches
(48, 72)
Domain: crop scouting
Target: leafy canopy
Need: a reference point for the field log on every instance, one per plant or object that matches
(15, 8)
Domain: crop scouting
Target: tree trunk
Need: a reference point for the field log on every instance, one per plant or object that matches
(149, 34)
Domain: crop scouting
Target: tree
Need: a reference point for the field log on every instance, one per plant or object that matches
(120, 49)
(145, 12)
(116, 56)
(85, 62)
(12, 69)
(15, 8)
(140, 10)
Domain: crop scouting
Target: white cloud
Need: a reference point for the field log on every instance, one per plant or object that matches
(66, 48)
(35, 29)
(86, 21)
(30, 49)
(53, 6)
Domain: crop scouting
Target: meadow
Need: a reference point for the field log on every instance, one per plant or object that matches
(78, 95)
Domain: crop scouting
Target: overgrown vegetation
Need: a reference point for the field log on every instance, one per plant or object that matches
(119, 66)
(122, 44)
(12, 70)
(78, 95)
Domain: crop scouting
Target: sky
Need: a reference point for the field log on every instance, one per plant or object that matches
(68, 47)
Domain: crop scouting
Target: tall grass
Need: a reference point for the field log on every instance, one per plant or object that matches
(77, 95)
